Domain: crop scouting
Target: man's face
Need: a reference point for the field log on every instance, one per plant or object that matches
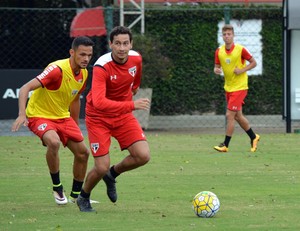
(82, 55)
(228, 36)
(120, 47)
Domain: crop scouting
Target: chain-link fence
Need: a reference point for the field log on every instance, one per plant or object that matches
(178, 62)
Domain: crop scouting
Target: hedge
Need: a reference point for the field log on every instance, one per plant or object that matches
(180, 66)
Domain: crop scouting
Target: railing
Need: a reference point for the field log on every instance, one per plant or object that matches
(245, 2)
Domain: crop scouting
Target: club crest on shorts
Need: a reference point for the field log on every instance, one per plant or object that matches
(94, 147)
(132, 71)
(42, 127)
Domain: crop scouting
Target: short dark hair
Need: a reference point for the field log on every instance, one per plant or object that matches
(120, 30)
(81, 40)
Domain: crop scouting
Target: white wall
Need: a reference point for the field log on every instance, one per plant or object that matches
(295, 74)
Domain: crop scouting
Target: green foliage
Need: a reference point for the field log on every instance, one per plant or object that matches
(178, 51)
(187, 38)
(155, 65)
(265, 94)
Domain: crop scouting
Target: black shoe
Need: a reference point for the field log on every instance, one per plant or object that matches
(84, 204)
(110, 188)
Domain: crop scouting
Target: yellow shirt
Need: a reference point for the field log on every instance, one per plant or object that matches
(229, 61)
(54, 104)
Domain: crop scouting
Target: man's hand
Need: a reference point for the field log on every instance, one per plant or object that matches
(218, 70)
(18, 122)
(238, 71)
(142, 104)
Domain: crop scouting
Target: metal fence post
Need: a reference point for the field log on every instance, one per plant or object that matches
(108, 11)
(227, 14)
(227, 21)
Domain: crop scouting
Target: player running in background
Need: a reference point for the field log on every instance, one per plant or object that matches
(116, 78)
(230, 58)
(52, 113)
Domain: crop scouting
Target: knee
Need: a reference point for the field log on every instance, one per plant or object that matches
(83, 155)
(101, 169)
(140, 153)
(86, 152)
(236, 118)
(53, 145)
(239, 117)
(145, 157)
(230, 117)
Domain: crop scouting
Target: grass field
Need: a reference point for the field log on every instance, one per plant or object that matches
(257, 191)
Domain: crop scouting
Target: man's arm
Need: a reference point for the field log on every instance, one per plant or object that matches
(100, 102)
(251, 65)
(217, 68)
(75, 109)
(23, 97)
(246, 55)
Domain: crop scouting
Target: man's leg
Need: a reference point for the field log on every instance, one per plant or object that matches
(81, 155)
(101, 166)
(139, 155)
(230, 120)
(244, 124)
(52, 141)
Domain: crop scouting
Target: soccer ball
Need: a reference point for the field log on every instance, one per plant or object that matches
(205, 204)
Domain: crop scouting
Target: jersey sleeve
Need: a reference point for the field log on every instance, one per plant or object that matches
(246, 54)
(51, 77)
(138, 77)
(217, 61)
(99, 100)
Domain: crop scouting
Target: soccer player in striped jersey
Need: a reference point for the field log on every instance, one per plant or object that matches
(234, 60)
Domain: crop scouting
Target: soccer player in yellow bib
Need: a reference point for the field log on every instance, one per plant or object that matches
(52, 113)
(231, 60)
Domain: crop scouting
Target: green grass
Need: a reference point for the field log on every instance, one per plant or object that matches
(257, 191)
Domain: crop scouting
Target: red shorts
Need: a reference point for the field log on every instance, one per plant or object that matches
(65, 128)
(125, 129)
(235, 100)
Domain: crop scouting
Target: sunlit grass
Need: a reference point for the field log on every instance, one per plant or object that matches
(257, 191)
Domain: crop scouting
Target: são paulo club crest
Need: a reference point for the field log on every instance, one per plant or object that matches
(132, 71)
